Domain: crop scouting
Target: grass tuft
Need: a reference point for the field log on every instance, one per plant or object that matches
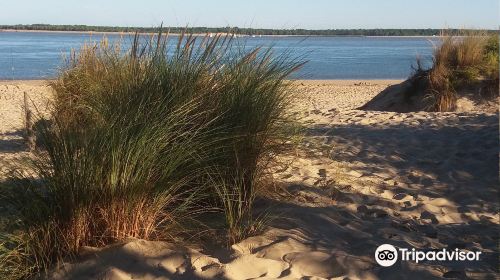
(466, 61)
(135, 138)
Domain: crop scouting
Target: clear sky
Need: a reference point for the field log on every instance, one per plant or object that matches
(308, 14)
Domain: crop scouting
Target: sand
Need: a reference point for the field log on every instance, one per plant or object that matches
(359, 179)
(12, 119)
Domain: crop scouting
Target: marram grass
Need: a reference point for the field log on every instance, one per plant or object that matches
(469, 60)
(140, 140)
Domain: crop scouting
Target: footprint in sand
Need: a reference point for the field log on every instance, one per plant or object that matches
(426, 215)
(375, 213)
(399, 196)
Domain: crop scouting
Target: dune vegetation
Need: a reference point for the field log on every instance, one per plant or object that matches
(142, 142)
(460, 64)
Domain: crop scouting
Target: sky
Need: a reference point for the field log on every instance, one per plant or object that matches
(287, 14)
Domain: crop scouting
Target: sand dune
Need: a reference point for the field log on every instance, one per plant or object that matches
(358, 180)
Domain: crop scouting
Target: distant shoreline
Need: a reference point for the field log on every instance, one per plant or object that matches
(80, 32)
(203, 34)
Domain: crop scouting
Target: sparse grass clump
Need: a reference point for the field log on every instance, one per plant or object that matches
(140, 140)
(460, 62)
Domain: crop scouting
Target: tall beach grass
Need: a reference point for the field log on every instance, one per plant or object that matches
(141, 140)
(469, 60)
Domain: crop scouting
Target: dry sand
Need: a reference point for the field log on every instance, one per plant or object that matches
(12, 118)
(358, 180)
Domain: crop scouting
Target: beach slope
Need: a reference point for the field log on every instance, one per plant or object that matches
(358, 179)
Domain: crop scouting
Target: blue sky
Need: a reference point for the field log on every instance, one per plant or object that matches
(309, 14)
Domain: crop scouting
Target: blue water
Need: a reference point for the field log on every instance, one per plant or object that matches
(40, 55)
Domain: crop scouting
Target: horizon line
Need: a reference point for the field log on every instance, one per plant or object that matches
(245, 28)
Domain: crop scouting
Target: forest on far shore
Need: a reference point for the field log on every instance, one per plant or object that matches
(237, 30)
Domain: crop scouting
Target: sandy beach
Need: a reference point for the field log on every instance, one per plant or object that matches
(357, 180)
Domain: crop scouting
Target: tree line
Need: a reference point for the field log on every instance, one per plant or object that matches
(237, 30)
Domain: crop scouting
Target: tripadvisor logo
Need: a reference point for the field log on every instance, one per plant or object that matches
(387, 255)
